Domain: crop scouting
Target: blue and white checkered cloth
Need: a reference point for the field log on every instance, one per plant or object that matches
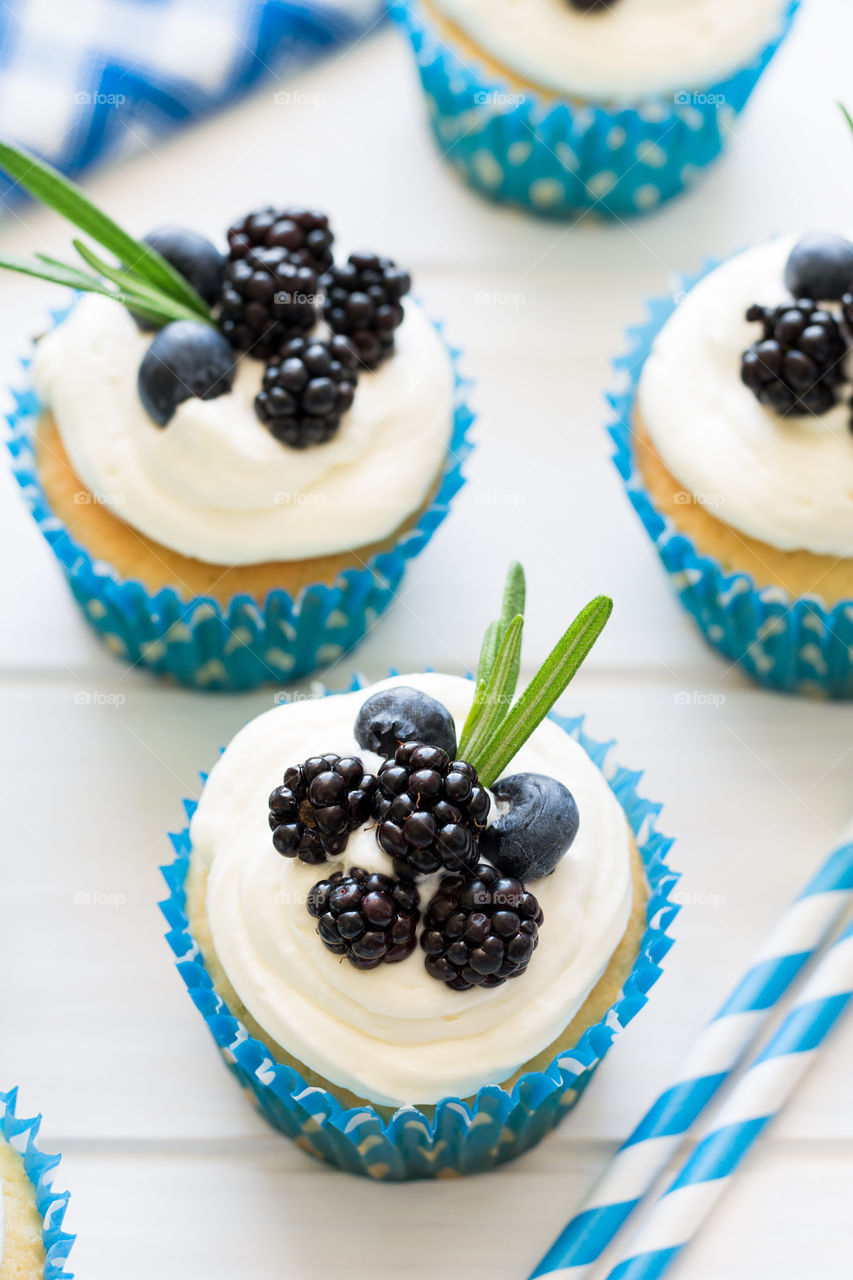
(84, 79)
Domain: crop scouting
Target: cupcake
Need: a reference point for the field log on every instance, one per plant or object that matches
(33, 1245)
(235, 455)
(566, 105)
(734, 439)
(414, 916)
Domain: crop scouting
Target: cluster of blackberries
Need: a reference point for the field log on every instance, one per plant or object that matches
(273, 295)
(268, 296)
(303, 233)
(480, 927)
(305, 389)
(797, 366)
(319, 803)
(361, 299)
(430, 810)
(370, 919)
(480, 931)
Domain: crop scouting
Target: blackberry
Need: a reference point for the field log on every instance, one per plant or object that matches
(362, 300)
(304, 233)
(318, 805)
(266, 299)
(797, 365)
(306, 388)
(479, 932)
(371, 919)
(592, 6)
(430, 811)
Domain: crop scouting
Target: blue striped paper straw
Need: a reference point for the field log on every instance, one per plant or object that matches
(756, 1099)
(805, 926)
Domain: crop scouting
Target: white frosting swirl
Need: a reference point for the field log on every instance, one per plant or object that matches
(630, 49)
(214, 484)
(394, 1034)
(786, 481)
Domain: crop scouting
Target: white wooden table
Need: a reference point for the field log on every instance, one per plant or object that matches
(171, 1171)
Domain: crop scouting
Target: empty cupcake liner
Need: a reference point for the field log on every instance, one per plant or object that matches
(794, 644)
(51, 1205)
(560, 157)
(203, 644)
(458, 1136)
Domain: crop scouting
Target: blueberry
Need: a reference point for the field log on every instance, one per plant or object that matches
(197, 260)
(186, 358)
(820, 266)
(400, 715)
(532, 835)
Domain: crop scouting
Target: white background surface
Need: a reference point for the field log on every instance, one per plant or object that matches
(170, 1169)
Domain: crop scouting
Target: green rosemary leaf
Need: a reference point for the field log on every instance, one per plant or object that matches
(543, 691)
(55, 191)
(513, 607)
(56, 272)
(498, 695)
(128, 283)
(73, 278)
(847, 115)
(514, 594)
(68, 270)
(473, 715)
(488, 652)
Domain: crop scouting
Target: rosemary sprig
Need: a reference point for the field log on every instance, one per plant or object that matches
(513, 607)
(495, 731)
(146, 283)
(544, 689)
(498, 691)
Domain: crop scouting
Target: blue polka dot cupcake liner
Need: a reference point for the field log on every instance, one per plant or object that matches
(457, 1136)
(51, 1205)
(792, 644)
(203, 644)
(561, 157)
